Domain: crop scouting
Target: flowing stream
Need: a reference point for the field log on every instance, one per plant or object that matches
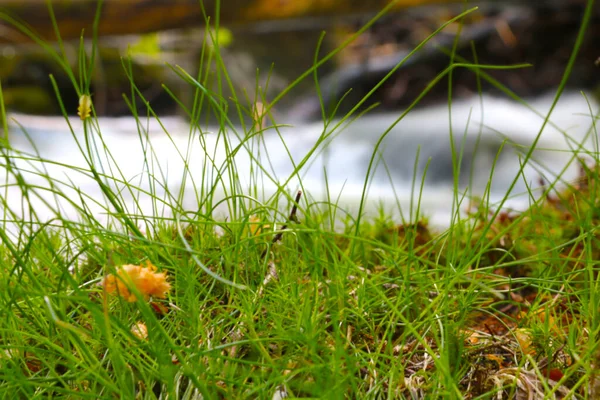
(491, 137)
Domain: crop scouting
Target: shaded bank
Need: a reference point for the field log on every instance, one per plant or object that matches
(263, 58)
(540, 34)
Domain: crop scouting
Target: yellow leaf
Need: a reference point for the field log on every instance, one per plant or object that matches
(525, 339)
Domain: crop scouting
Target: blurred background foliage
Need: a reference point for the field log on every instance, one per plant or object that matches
(273, 41)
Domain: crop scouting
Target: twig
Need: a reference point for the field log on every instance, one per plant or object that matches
(292, 217)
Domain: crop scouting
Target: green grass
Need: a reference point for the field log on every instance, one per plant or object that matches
(286, 295)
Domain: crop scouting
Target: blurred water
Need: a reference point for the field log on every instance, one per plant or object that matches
(486, 129)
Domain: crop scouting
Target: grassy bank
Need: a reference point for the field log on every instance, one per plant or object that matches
(286, 296)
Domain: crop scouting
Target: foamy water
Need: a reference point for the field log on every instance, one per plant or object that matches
(480, 126)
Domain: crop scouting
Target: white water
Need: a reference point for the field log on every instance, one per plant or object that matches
(344, 155)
